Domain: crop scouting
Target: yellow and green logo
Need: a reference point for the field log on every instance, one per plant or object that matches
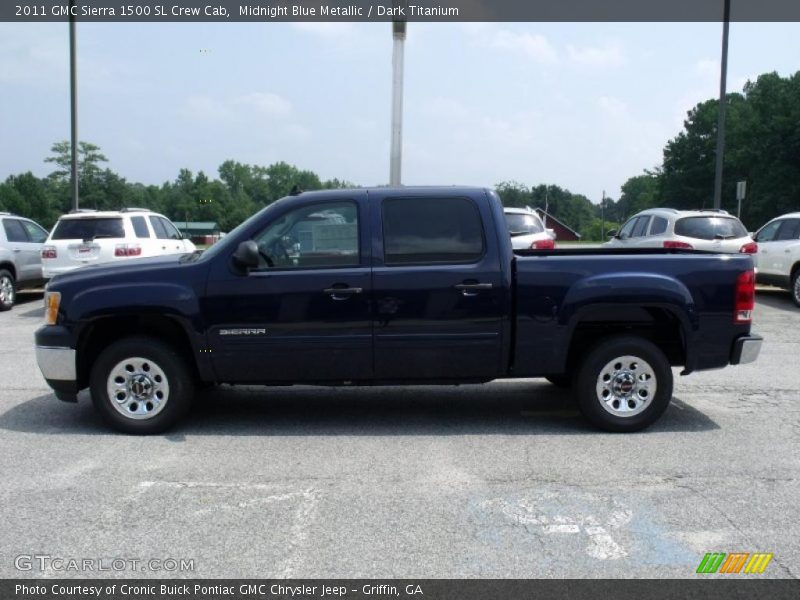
(738, 562)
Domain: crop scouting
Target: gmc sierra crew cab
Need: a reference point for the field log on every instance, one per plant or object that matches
(393, 286)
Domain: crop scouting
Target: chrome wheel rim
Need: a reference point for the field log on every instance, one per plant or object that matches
(626, 386)
(796, 289)
(6, 290)
(137, 388)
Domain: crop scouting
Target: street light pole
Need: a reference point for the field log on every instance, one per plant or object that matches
(73, 100)
(603, 216)
(723, 77)
(396, 157)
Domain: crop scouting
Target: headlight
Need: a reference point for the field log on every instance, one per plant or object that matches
(52, 300)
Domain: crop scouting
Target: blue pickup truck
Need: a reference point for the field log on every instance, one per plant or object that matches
(394, 286)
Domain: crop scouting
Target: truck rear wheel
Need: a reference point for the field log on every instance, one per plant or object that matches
(624, 384)
(141, 385)
(795, 289)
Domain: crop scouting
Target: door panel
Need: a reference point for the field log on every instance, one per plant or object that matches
(27, 254)
(305, 318)
(441, 320)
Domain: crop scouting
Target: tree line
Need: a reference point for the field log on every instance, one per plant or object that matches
(762, 148)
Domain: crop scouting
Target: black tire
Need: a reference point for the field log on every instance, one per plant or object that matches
(794, 290)
(169, 372)
(8, 289)
(640, 383)
(561, 381)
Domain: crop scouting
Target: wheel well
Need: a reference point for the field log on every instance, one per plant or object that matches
(657, 325)
(103, 332)
(9, 267)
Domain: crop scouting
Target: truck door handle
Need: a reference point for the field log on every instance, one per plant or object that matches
(787, 251)
(342, 293)
(471, 289)
(20, 250)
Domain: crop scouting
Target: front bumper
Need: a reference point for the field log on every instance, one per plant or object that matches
(57, 361)
(746, 349)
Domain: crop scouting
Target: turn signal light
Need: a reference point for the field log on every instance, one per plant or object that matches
(745, 299)
(49, 252)
(543, 245)
(678, 245)
(749, 248)
(128, 250)
(52, 300)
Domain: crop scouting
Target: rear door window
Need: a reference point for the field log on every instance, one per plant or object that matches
(15, 232)
(710, 228)
(431, 230)
(658, 226)
(140, 227)
(89, 229)
(789, 230)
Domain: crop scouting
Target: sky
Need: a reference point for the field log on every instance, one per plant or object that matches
(580, 105)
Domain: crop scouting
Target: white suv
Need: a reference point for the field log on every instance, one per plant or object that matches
(707, 229)
(778, 258)
(527, 230)
(93, 237)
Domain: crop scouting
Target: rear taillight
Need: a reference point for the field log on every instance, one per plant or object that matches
(49, 252)
(745, 298)
(749, 248)
(678, 245)
(128, 250)
(543, 245)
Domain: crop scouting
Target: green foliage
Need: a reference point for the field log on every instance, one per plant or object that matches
(89, 156)
(762, 147)
(574, 210)
(240, 191)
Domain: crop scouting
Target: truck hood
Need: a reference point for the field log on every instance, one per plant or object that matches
(128, 270)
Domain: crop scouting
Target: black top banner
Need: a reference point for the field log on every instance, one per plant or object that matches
(388, 10)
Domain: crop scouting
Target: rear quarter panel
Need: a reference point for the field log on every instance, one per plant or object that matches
(557, 291)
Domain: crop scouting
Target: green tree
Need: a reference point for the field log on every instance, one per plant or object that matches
(89, 158)
(638, 193)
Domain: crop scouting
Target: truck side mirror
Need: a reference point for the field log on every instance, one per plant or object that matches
(552, 232)
(612, 233)
(246, 255)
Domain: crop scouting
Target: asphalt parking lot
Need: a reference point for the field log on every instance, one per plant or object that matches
(500, 480)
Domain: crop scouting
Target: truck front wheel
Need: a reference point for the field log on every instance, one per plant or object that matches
(624, 384)
(141, 385)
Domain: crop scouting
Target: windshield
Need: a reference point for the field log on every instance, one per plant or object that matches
(522, 224)
(88, 229)
(710, 228)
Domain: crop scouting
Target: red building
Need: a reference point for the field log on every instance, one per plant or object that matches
(563, 232)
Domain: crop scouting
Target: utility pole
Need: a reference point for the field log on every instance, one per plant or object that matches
(723, 76)
(73, 101)
(546, 203)
(603, 216)
(396, 157)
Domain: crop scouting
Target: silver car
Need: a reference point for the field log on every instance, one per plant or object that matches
(707, 229)
(527, 230)
(20, 256)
